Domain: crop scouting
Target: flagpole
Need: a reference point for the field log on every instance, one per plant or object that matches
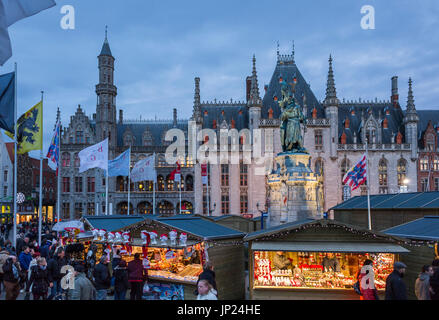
(129, 182)
(40, 211)
(207, 195)
(58, 203)
(153, 192)
(368, 186)
(14, 217)
(106, 195)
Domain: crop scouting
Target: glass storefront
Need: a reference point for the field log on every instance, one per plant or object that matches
(317, 270)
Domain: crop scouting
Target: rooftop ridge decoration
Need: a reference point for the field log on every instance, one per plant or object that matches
(170, 121)
(216, 102)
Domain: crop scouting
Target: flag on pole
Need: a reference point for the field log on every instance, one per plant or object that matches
(144, 170)
(95, 156)
(204, 173)
(176, 173)
(120, 166)
(357, 175)
(30, 130)
(7, 94)
(10, 12)
(53, 152)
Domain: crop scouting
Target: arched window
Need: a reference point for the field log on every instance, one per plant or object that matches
(121, 184)
(344, 167)
(318, 169)
(371, 132)
(423, 163)
(169, 183)
(382, 175)
(430, 142)
(77, 161)
(144, 207)
(127, 139)
(189, 183)
(160, 183)
(401, 171)
(147, 138)
(66, 159)
(166, 208)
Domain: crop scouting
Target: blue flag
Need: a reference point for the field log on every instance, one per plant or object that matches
(7, 97)
(120, 166)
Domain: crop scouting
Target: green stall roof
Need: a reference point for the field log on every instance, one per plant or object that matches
(426, 228)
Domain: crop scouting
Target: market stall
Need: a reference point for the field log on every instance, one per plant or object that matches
(173, 249)
(317, 259)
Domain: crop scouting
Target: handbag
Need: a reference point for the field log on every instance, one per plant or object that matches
(357, 288)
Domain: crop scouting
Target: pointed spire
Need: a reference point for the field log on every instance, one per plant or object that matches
(197, 103)
(331, 93)
(410, 98)
(278, 50)
(106, 46)
(293, 53)
(255, 99)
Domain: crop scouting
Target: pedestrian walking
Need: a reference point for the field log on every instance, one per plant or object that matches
(25, 258)
(83, 287)
(434, 280)
(102, 278)
(422, 284)
(121, 284)
(11, 278)
(54, 267)
(209, 275)
(206, 291)
(395, 286)
(366, 278)
(4, 255)
(137, 275)
(39, 283)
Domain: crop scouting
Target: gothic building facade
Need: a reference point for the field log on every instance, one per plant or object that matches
(85, 193)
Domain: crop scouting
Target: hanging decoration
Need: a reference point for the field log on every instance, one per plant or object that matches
(164, 239)
(110, 237)
(153, 236)
(145, 237)
(101, 234)
(127, 239)
(118, 237)
(173, 237)
(95, 234)
(183, 239)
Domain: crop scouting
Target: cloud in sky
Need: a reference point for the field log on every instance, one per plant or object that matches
(160, 46)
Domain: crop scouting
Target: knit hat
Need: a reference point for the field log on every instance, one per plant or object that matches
(399, 265)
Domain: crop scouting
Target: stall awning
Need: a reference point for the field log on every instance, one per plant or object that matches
(357, 247)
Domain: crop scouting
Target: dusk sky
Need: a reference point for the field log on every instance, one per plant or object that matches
(160, 46)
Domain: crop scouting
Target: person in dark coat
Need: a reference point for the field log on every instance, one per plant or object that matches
(137, 275)
(54, 267)
(434, 280)
(39, 280)
(11, 278)
(83, 288)
(207, 274)
(121, 284)
(395, 286)
(102, 278)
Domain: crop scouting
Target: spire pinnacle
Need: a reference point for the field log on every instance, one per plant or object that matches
(331, 93)
(293, 51)
(106, 46)
(410, 99)
(255, 99)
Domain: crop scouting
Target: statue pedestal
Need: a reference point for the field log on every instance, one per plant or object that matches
(294, 190)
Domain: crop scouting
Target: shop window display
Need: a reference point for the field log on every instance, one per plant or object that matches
(317, 270)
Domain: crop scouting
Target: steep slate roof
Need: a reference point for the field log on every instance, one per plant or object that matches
(287, 69)
(106, 48)
(379, 109)
(424, 117)
(414, 200)
(157, 130)
(113, 222)
(426, 228)
(236, 111)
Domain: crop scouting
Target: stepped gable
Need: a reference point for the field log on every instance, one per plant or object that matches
(424, 117)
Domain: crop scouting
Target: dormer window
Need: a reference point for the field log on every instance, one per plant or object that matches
(430, 142)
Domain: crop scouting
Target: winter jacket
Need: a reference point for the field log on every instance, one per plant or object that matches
(434, 284)
(395, 287)
(54, 268)
(25, 259)
(8, 273)
(115, 261)
(44, 251)
(102, 277)
(38, 280)
(136, 271)
(121, 279)
(211, 295)
(422, 287)
(369, 292)
(4, 255)
(83, 290)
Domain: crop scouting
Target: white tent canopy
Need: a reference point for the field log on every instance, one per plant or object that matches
(68, 226)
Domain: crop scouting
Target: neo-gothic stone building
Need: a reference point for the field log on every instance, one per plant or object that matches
(85, 193)
(335, 136)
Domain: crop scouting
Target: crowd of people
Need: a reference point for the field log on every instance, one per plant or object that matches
(38, 271)
(426, 285)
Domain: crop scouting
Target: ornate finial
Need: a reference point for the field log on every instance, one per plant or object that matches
(293, 50)
(278, 50)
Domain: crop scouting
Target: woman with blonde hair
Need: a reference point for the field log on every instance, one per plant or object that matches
(39, 280)
(206, 291)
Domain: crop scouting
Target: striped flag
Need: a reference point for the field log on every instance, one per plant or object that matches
(204, 173)
(53, 152)
(357, 175)
(176, 174)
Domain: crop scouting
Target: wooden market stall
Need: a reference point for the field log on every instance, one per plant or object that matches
(174, 264)
(422, 237)
(317, 260)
